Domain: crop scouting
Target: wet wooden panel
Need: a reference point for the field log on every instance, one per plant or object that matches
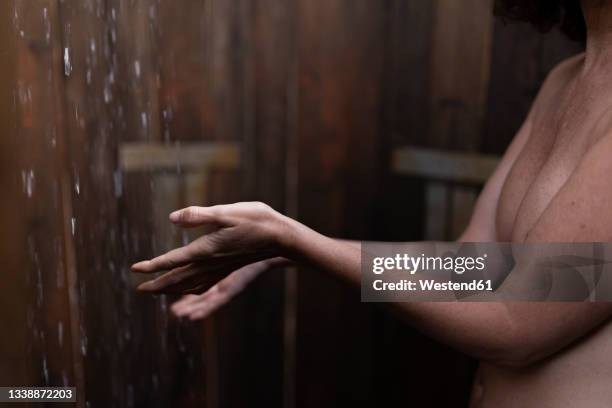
(407, 73)
(39, 159)
(222, 78)
(405, 116)
(133, 353)
(269, 123)
(15, 367)
(460, 65)
(340, 96)
(315, 93)
(450, 99)
(90, 107)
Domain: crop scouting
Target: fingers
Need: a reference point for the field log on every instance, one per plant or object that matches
(200, 306)
(195, 277)
(196, 250)
(184, 302)
(197, 216)
(174, 277)
(169, 260)
(192, 278)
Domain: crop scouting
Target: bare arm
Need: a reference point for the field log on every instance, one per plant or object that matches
(251, 237)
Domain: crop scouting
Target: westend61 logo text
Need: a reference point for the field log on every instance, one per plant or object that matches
(414, 264)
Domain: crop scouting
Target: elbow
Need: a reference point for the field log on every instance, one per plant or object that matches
(515, 358)
(516, 343)
(517, 351)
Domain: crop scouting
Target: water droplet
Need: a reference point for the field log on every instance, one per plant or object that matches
(108, 96)
(130, 395)
(67, 64)
(118, 183)
(27, 178)
(137, 68)
(60, 333)
(83, 345)
(45, 370)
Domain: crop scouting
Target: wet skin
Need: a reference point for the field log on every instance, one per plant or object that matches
(553, 188)
(552, 185)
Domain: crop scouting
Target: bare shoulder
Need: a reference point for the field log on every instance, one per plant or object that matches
(558, 79)
(565, 70)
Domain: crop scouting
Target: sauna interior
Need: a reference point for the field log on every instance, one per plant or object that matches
(113, 113)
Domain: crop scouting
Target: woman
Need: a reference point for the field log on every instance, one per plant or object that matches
(552, 185)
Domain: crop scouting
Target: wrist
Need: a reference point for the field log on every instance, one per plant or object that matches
(289, 235)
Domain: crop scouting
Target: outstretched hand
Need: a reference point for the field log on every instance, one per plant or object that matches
(246, 239)
(200, 306)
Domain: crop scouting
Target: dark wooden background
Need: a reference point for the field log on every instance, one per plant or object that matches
(318, 93)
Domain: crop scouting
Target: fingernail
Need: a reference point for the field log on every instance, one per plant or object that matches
(174, 217)
(139, 265)
(144, 287)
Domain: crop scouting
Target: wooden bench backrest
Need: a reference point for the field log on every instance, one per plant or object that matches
(453, 181)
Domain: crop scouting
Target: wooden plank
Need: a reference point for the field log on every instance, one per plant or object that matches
(437, 217)
(196, 193)
(117, 341)
(16, 365)
(290, 306)
(460, 63)
(340, 99)
(407, 73)
(90, 151)
(271, 41)
(444, 165)
(515, 80)
(228, 90)
(179, 157)
(40, 155)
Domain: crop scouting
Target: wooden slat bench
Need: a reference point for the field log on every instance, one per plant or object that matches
(453, 180)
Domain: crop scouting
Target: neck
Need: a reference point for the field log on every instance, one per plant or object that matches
(598, 17)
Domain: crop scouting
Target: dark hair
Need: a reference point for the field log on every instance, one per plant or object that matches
(545, 14)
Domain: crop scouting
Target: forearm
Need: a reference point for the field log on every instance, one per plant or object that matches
(496, 332)
(310, 248)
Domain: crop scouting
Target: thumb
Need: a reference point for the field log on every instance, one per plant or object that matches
(195, 216)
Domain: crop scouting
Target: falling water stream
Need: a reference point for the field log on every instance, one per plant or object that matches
(93, 77)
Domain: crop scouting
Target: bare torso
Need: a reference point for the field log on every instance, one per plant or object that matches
(573, 112)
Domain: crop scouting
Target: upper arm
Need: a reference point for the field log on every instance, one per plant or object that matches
(578, 212)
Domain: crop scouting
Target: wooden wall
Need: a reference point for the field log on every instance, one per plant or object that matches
(318, 94)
